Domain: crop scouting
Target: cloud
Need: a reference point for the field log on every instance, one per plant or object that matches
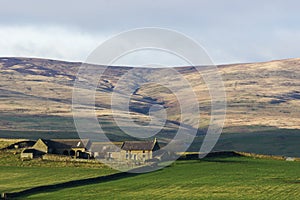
(47, 42)
(73, 44)
(231, 31)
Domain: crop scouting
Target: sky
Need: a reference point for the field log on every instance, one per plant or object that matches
(231, 31)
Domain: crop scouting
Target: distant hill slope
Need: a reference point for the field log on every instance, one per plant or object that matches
(36, 95)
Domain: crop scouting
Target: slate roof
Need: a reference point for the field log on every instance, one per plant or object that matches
(30, 150)
(66, 143)
(139, 145)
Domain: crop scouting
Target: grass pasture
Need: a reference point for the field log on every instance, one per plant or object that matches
(210, 178)
(17, 175)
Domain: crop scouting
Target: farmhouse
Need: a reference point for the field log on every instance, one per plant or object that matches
(139, 150)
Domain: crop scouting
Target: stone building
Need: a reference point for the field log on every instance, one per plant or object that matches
(139, 150)
(76, 148)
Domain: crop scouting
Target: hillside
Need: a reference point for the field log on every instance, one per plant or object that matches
(258, 94)
(262, 99)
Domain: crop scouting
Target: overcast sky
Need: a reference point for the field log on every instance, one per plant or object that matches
(230, 30)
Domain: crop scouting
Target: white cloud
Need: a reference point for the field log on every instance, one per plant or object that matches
(73, 44)
(230, 31)
(47, 42)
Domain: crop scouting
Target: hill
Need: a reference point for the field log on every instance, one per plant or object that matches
(258, 94)
(36, 96)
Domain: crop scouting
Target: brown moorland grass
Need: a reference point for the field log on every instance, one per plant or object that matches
(258, 94)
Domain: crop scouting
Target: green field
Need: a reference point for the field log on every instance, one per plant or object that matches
(17, 175)
(211, 178)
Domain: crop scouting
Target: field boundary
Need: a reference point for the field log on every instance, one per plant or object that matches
(74, 183)
(69, 184)
(273, 157)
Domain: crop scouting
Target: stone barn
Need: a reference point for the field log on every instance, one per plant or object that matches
(76, 148)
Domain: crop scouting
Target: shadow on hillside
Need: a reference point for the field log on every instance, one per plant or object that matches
(222, 157)
(69, 184)
(219, 160)
(218, 157)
